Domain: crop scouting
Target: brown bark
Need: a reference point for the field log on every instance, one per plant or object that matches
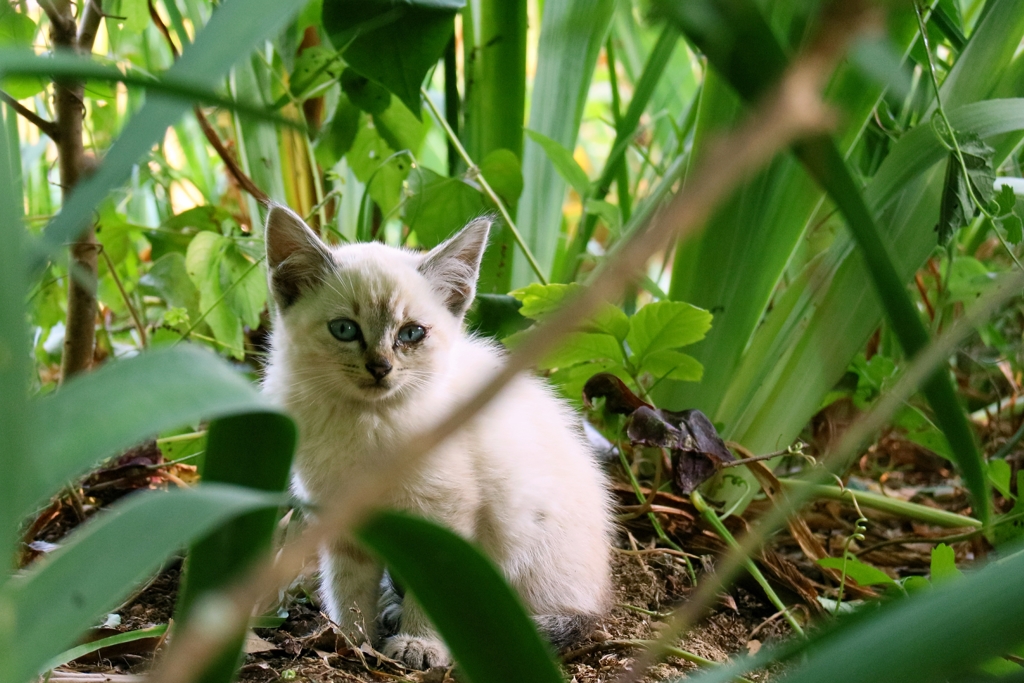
(69, 107)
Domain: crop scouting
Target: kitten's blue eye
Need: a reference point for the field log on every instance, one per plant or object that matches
(410, 334)
(344, 329)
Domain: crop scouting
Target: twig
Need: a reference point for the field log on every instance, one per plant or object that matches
(89, 24)
(920, 539)
(473, 168)
(46, 126)
(796, 111)
(139, 327)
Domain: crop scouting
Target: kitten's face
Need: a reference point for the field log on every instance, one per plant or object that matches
(367, 322)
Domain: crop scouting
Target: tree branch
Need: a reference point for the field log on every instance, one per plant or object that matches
(42, 124)
(89, 25)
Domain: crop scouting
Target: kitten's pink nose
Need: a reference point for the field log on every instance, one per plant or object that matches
(378, 368)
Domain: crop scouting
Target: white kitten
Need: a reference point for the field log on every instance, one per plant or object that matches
(368, 350)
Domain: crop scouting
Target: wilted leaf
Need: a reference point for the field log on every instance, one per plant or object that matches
(618, 398)
(697, 449)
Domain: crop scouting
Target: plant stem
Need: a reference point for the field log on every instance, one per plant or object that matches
(139, 327)
(712, 518)
(454, 140)
(876, 501)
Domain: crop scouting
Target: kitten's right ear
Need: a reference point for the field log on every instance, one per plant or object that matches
(296, 258)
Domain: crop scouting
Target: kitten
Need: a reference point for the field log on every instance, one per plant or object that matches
(368, 350)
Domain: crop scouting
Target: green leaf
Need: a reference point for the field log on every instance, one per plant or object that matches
(665, 325)
(439, 206)
(336, 139)
(204, 261)
(91, 573)
(96, 645)
(315, 67)
(863, 574)
(580, 347)
(943, 565)
(1006, 199)
(169, 278)
(540, 300)
(669, 364)
(1010, 527)
(608, 212)
(999, 475)
(400, 128)
(17, 28)
(393, 44)
(254, 451)
(244, 285)
(371, 97)
(958, 208)
(150, 393)
(1014, 228)
(503, 173)
(571, 35)
(479, 616)
(377, 166)
(563, 161)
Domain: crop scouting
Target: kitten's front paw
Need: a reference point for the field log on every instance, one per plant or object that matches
(417, 652)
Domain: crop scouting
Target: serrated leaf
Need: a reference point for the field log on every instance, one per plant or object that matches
(670, 364)
(943, 564)
(1006, 199)
(1014, 228)
(563, 162)
(666, 325)
(863, 574)
(581, 347)
(540, 300)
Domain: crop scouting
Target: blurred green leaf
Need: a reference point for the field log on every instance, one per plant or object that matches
(665, 325)
(999, 474)
(364, 93)
(315, 67)
(1010, 527)
(479, 616)
(400, 128)
(169, 278)
(943, 564)
(91, 574)
(205, 262)
(863, 574)
(958, 208)
(393, 44)
(377, 166)
(149, 393)
(336, 139)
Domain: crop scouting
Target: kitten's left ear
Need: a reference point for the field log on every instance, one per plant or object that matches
(453, 266)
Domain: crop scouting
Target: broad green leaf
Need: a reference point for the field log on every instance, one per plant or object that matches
(254, 451)
(503, 173)
(377, 166)
(580, 347)
(91, 573)
(863, 574)
(563, 161)
(315, 67)
(669, 364)
(393, 44)
(370, 97)
(338, 135)
(439, 206)
(244, 285)
(18, 29)
(571, 35)
(570, 381)
(400, 128)
(150, 393)
(540, 300)
(943, 565)
(204, 262)
(495, 315)
(234, 27)
(480, 618)
(665, 325)
(169, 278)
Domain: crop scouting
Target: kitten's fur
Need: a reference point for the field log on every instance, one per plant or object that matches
(519, 480)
